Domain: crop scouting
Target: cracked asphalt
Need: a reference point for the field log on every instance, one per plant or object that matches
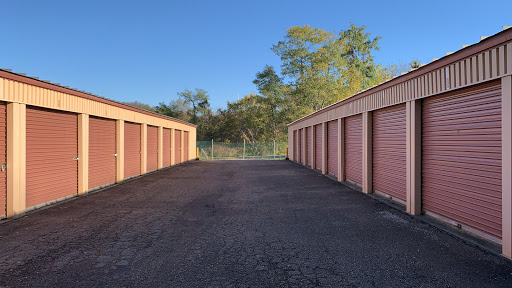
(236, 224)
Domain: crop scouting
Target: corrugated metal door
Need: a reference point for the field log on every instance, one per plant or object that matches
(354, 148)
(152, 148)
(131, 149)
(185, 144)
(389, 151)
(318, 146)
(299, 145)
(166, 145)
(52, 147)
(309, 144)
(177, 146)
(462, 157)
(3, 159)
(332, 147)
(102, 150)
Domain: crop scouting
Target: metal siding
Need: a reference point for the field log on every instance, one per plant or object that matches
(389, 151)
(354, 148)
(462, 157)
(102, 147)
(309, 144)
(177, 146)
(3, 159)
(332, 147)
(318, 146)
(166, 145)
(152, 148)
(185, 143)
(52, 143)
(132, 152)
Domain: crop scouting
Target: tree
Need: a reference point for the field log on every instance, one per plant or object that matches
(199, 100)
(139, 105)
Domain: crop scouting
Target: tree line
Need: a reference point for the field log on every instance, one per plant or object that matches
(318, 68)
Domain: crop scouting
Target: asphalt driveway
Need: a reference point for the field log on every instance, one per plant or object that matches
(236, 224)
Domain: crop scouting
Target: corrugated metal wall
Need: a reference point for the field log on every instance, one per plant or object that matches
(354, 148)
(185, 143)
(462, 157)
(309, 145)
(52, 145)
(102, 150)
(332, 147)
(389, 151)
(132, 149)
(318, 147)
(166, 145)
(3, 159)
(177, 148)
(152, 148)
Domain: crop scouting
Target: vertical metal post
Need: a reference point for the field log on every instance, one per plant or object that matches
(244, 150)
(212, 149)
(274, 149)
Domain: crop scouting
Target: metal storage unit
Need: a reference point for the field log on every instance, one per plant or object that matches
(166, 146)
(152, 148)
(462, 157)
(389, 151)
(318, 146)
(52, 154)
(177, 146)
(332, 147)
(309, 144)
(3, 159)
(295, 145)
(102, 152)
(354, 148)
(185, 148)
(132, 149)
(299, 146)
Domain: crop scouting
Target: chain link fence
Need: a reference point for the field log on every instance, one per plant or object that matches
(209, 150)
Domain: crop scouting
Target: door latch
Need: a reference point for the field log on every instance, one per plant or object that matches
(115, 154)
(3, 167)
(76, 158)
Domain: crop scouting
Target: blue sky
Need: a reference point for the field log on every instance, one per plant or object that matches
(148, 51)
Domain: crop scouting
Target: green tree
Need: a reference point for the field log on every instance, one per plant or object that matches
(199, 100)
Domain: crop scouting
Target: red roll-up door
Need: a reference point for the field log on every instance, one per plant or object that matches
(3, 159)
(177, 146)
(354, 148)
(132, 149)
(152, 148)
(332, 147)
(389, 151)
(309, 144)
(462, 157)
(295, 145)
(102, 150)
(185, 144)
(299, 145)
(318, 146)
(166, 145)
(52, 149)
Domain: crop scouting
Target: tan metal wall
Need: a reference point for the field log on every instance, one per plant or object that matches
(132, 149)
(152, 148)
(332, 147)
(462, 157)
(318, 147)
(102, 152)
(354, 148)
(3, 159)
(52, 146)
(166, 153)
(177, 148)
(389, 151)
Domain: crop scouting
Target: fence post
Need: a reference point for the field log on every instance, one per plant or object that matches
(244, 150)
(212, 149)
(274, 149)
